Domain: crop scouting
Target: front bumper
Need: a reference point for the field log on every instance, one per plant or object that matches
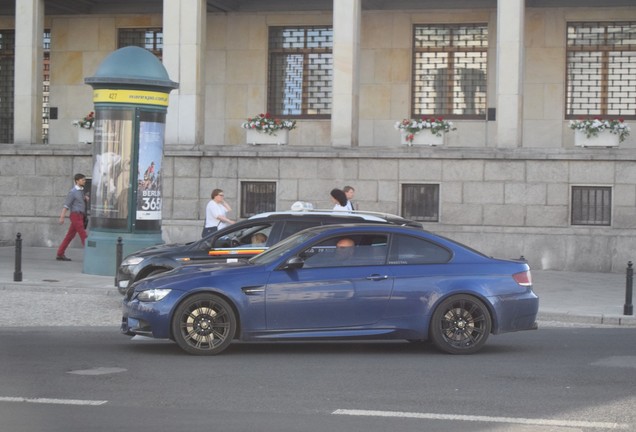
(125, 277)
(148, 318)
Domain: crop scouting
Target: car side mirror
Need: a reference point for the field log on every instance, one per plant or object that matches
(294, 263)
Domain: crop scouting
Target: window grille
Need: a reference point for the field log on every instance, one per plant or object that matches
(449, 70)
(7, 65)
(601, 69)
(420, 202)
(148, 38)
(257, 197)
(300, 72)
(45, 85)
(591, 205)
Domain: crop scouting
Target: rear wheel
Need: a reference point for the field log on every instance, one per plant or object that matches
(204, 324)
(461, 324)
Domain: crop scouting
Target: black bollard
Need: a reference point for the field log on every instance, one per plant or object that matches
(17, 274)
(118, 257)
(628, 309)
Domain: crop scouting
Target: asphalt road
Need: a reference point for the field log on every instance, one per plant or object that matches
(554, 379)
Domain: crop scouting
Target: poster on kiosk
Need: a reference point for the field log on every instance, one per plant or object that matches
(151, 138)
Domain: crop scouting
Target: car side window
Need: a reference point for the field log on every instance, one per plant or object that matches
(413, 250)
(246, 236)
(354, 250)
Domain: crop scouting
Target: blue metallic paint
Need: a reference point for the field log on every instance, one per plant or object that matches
(341, 302)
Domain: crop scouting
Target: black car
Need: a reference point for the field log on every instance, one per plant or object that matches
(244, 239)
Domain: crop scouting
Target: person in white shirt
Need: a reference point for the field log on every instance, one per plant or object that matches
(216, 213)
(349, 193)
(340, 200)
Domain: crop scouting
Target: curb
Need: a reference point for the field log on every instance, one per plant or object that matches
(26, 287)
(608, 320)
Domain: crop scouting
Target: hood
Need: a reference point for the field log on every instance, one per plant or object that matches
(180, 275)
(154, 250)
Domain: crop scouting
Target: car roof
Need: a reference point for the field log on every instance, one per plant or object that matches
(370, 227)
(355, 216)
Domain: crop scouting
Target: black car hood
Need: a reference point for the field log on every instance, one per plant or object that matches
(172, 248)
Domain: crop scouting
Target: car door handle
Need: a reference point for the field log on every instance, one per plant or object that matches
(253, 290)
(377, 277)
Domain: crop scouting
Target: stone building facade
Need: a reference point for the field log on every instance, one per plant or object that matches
(505, 180)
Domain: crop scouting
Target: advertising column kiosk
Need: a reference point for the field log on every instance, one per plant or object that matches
(130, 93)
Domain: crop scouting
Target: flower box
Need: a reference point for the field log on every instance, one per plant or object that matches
(603, 139)
(422, 138)
(279, 137)
(598, 132)
(85, 136)
(424, 130)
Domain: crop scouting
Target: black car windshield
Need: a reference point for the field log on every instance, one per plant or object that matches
(281, 248)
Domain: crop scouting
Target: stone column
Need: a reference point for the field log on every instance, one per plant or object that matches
(510, 52)
(184, 24)
(27, 111)
(346, 54)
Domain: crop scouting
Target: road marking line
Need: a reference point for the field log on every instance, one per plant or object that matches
(53, 401)
(486, 419)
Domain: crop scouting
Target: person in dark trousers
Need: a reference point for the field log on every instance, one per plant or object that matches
(75, 203)
(349, 192)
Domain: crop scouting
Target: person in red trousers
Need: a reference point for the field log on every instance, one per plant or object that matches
(75, 202)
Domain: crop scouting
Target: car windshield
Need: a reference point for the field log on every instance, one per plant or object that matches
(281, 248)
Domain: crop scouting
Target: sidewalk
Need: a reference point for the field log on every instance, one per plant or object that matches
(56, 293)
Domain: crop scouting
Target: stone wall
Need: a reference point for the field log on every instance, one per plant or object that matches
(505, 203)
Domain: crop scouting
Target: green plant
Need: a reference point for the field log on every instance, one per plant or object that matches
(592, 127)
(412, 127)
(267, 124)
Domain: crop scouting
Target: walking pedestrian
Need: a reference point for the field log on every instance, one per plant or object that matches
(339, 199)
(216, 213)
(75, 203)
(349, 192)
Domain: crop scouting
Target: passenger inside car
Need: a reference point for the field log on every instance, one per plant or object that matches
(259, 239)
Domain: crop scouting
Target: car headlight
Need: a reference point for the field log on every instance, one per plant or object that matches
(153, 295)
(133, 260)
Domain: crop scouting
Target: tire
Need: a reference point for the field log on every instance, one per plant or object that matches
(461, 324)
(204, 324)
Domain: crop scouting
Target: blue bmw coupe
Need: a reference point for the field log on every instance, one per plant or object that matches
(356, 281)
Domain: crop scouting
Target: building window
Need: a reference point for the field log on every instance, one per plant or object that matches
(591, 205)
(300, 72)
(257, 197)
(420, 202)
(148, 38)
(7, 65)
(601, 69)
(449, 70)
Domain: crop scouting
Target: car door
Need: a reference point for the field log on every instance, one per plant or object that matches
(421, 275)
(330, 291)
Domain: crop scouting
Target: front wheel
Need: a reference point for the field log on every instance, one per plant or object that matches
(204, 324)
(461, 324)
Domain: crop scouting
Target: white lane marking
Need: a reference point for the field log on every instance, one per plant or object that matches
(485, 419)
(53, 401)
(98, 371)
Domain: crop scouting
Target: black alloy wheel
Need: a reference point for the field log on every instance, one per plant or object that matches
(204, 324)
(461, 324)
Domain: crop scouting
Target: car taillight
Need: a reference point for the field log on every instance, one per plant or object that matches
(524, 278)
